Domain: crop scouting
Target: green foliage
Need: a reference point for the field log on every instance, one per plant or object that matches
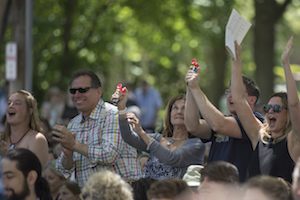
(139, 40)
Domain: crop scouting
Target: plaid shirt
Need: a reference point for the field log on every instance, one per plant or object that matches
(107, 150)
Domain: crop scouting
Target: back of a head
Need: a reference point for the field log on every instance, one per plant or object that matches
(169, 189)
(27, 161)
(274, 188)
(141, 186)
(106, 185)
(72, 186)
(221, 171)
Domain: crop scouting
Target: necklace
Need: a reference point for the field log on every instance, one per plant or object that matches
(13, 144)
(172, 140)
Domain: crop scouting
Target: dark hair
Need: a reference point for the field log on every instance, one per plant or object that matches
(50, 150)
(220, 171)
(140, 188)
(95, 81)
(72, 186)
(168, 188)
(26, 162)
(251, 87)
(275, 187)
(168, 127)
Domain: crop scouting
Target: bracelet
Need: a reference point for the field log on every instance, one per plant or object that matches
(151, 141)
(123, 112)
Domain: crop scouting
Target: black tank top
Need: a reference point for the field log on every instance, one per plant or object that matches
(271, 159)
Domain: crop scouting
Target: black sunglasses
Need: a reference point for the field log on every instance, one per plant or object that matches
(276, 108)
(81, 90)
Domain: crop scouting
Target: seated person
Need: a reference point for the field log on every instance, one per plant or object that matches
(268, 188)
(106, 185)
(169, 189)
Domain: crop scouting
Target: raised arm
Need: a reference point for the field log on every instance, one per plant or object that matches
(293, 104)
(243, 110)
(138, 139)
(213, 117)
(193, 123)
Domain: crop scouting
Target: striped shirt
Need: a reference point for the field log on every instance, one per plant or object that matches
(107, 150)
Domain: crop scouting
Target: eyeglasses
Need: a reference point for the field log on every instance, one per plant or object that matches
(276, 108)
(80, 90)
(228, 91)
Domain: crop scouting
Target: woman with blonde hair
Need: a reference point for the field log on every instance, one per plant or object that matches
(106, 185)
(22, 127)
(276, 143)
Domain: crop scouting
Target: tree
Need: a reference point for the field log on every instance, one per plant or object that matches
(267, 14)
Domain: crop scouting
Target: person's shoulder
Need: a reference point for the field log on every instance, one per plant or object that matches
(110, 108)
(39, 136)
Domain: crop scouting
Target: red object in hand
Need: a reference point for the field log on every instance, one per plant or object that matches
(123, 90)
(193, 61)
(196, 65)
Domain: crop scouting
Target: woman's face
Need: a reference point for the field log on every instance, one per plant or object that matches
(177, 112)
(66, 194)
(275, 120)
(16, 110)
(53, 180)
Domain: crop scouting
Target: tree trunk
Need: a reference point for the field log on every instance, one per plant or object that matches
(219, 62)
(4, 12)
(69, 6)
(267, 13)
(17, 15)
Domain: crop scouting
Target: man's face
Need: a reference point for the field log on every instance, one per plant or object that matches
(15, 184)
(85, 102)
(230, 103)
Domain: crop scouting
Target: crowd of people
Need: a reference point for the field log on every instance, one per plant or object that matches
(108, 153)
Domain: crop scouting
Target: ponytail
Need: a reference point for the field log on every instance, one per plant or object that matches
(42, 189)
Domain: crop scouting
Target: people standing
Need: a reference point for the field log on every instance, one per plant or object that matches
(92, 140)
(171, 152)
(226, 133)
(22, 128)
(277, 141)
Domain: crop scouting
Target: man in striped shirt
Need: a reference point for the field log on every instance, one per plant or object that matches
(92, 140)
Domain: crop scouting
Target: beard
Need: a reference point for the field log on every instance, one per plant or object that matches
(21, 195)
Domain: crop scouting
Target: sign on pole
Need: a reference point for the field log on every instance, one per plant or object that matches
(11, 61)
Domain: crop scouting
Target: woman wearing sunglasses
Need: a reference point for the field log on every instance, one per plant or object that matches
(276, 143)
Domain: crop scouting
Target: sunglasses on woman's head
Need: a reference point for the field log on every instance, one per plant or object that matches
(276, 108)
(80, 90)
